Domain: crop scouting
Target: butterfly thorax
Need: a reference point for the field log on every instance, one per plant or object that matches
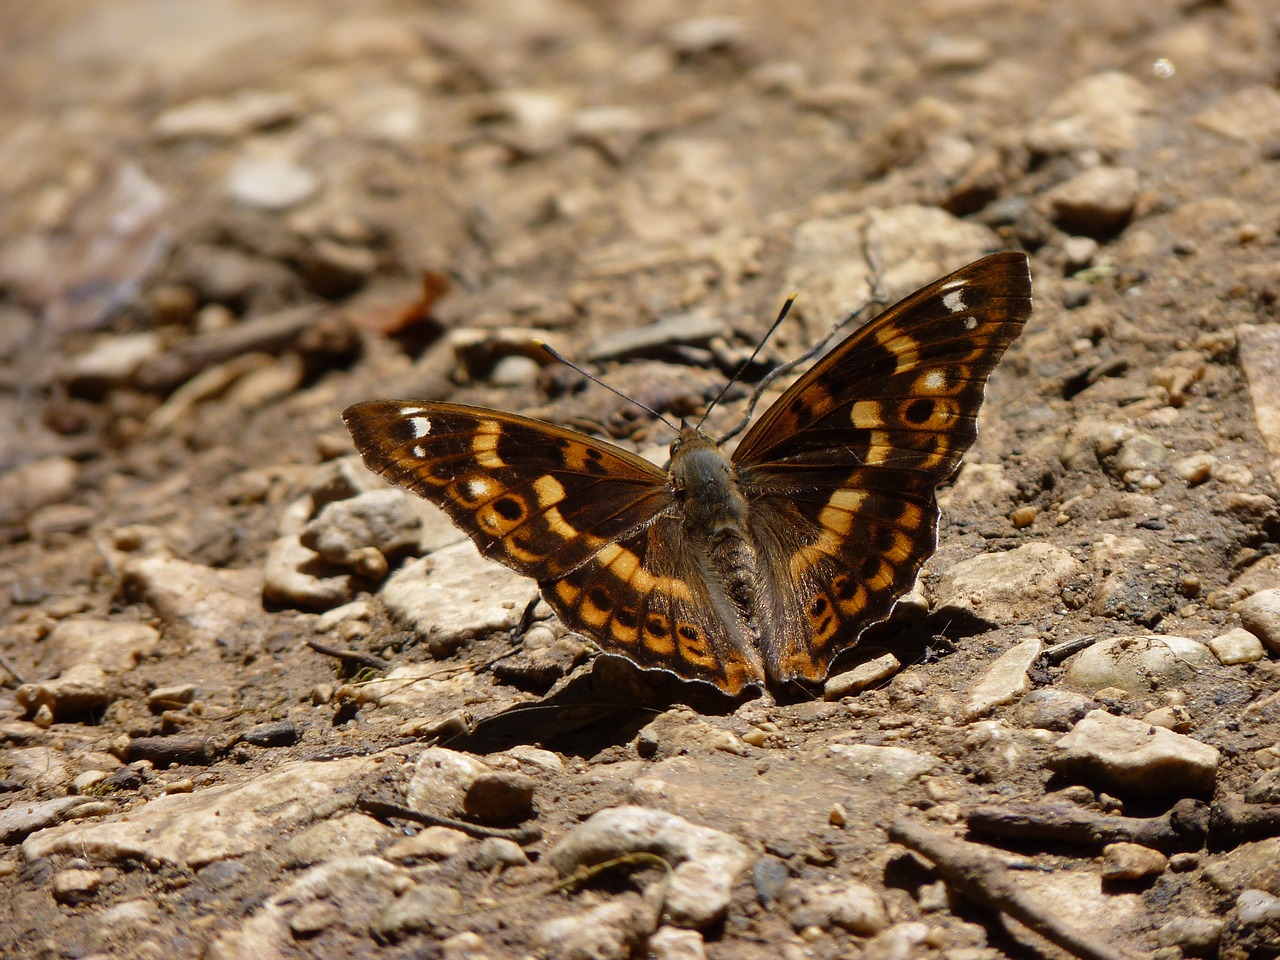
(714, 514)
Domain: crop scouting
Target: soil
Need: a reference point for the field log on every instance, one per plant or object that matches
(222, 223)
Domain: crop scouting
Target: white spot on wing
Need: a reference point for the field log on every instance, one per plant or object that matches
(971, 323)
(419, 451)
(953, 300)
(935, 381)
(477, 488)
(411, 411)
(421, 427)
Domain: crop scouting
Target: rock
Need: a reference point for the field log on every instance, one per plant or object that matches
(463, 946)
(295, 576)
(1102, 112)
(441, 780)
(502, 796)
(672, 943)
(1130, 757)
(384, 519)
(701, 35)
(705, 862)
(1054, 709)
(1237, 646)
(1141, 664)
(496, 852)
(270, 183)
(227, 118)
(1096, 202)
(1005, 680)
(607, 932)
(696, 328)
(349, 835)
(82, 688)
(1009, 587)
(423, 907)
(76, 886)
(1260, 615)
(872, 673)
(1250, 114)
(193, 599)
(1140, 453)
(113, 645)
(430, 843)
(1131, 861)
(37, 483)
(454, 594)
(1258, 906)
(1195, 936)
(886, 768)
(1266, 789)
(110, 363)
(335, 269)
(902, 941)
(1258, 349)
(19, 820)
(849, 905)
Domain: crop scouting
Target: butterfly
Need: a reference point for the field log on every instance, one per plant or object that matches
(756, 567)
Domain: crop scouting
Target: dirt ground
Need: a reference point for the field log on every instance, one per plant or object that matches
(222, 222)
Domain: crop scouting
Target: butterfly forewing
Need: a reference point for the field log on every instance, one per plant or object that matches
(538, 498)
(841, 471)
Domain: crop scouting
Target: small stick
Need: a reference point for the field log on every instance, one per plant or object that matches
(984, 880)
(387, 810)
(349, 657)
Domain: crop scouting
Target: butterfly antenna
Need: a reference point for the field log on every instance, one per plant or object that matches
(782, 315)
(556, 355)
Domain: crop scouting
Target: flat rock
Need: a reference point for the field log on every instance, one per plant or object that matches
(455, 594)
(1009, 587)
(1103, 112)
(192, 597)
(1134, 758)
(1258, 348)
(1236, 646)
(296, 576)
(888, 768)
(1260, 615)
(441, 781)
(1005, 680)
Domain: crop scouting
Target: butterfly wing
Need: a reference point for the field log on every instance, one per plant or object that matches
(594, 524)
(538, 498)
(841, 470)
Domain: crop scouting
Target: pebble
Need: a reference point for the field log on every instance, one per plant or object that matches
(441, 779)
(463, 946)
(1260, 615)
(35, 484)
(502, 796)
(110, 363)
(384, 519)
(1096, 202)
(1195, 469)
(298, 577)
(1005, 680)
(227, 118)
(1079, 252)
(672, 943)
(1139, 665)
(902, 941)
(496, 852)
(606, 932)
(76, 886)
(1054, 709)
(1196, 936)
(1237, 646)
(1257, 906)
(1130, 757)
(113, 645)
(270, 183)
(701, 35)
(885, 768)
(421, 908)
(1141, 452)
(850, 905)
(1131, 861)
(1009, 587)
(193, 598)
(1248, 114)
(82, 688)
(1265, 790)
(1023, 517)
(705, 861)
(1102, 112)
(430, 843)
(871, 673)
(455, 594)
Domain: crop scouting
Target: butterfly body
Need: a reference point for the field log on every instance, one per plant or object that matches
(757, 567)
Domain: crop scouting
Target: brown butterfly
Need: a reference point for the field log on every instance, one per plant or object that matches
(755, 567)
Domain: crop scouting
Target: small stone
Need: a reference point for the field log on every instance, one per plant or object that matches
(672, 943)
(227, 118)
(1079, 252)
(1055, 709)
(313, 918)
(1237, 646)
(384, 519)
(1140, 453)
(1023, 517)
(1102, 112)
(422, 907)
(1260, 615)
(606, 932)
(298, 577)
(1131, 757)
(704, 34)
(431, 843)
(1184, 862)
(441, 779)
(1005, 680)
(699, 893)
(1131, 861)
(76, 886)
(851, 906)
(1249, 114)
(885, 768)
(1265, 790)
(270, 183)
(1257, 906)
(110, 363)
(500, 797)
(1139, 664)
(1196, 936)
(872, 673)
(463, 946)
(1009, 587)
(838, 815)
(1096, 202)
(337, 269)
(36, 483)
(496, 852)
(82, 688)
